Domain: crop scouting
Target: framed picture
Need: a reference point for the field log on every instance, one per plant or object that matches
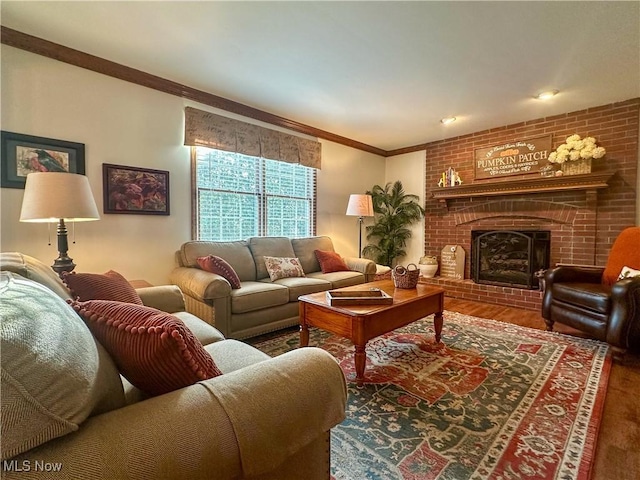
(135, 190)
(24, 154)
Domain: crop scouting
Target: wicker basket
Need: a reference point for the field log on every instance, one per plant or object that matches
(405, 277)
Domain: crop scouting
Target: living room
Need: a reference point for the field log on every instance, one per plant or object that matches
(125, 123)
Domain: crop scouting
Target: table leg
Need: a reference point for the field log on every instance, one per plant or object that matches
(360, 361)
(304, 334)
(437, 325)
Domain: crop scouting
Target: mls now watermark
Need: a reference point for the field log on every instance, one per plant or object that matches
(30, 466)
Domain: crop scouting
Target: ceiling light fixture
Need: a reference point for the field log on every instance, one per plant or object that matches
(448, 120)
(546, 95)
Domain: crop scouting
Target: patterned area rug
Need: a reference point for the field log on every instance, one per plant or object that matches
(493, 401)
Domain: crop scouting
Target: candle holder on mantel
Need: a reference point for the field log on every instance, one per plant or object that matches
(449, 178)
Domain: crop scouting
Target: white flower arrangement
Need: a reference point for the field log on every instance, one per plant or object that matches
(576, 148)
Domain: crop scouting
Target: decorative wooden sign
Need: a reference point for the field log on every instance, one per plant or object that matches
(452, 262)
(514, 158)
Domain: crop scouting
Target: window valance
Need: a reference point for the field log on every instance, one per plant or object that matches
(205, 129)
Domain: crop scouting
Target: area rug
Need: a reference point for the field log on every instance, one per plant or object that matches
(492, 401)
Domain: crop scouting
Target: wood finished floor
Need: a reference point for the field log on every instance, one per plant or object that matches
(618, 444)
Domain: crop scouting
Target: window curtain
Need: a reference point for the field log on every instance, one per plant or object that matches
(204, 129)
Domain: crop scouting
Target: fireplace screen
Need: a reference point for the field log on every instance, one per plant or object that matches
(509, 258)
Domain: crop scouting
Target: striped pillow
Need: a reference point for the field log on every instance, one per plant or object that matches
(95, 286)
(154, 350)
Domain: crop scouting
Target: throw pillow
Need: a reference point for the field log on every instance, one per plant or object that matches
(330, 262)
(154, 350)
(54, 373)
(283, 267)
(95, 286)
(219, 266)
(628, 272)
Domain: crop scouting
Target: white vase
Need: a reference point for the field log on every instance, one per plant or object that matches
(428, 271)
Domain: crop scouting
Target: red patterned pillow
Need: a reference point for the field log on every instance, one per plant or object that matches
(154, 350)
(95, 286)
(330, 262)
(220, 266)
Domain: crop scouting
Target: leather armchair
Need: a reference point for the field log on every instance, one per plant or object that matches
(592, 300)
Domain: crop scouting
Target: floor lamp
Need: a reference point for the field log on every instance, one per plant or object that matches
(55, 197)
(360, 206)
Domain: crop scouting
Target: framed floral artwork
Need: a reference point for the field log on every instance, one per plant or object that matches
(135, 190)
(24, 154)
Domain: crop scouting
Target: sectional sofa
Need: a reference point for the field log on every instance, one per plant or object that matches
(260, 305)
(67, 413)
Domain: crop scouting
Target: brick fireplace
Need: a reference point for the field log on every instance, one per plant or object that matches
(584, 214)
(509, 258)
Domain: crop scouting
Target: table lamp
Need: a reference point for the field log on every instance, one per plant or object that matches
(53, 197)
(360, 206)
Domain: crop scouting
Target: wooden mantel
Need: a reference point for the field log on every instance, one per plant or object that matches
(589, 182)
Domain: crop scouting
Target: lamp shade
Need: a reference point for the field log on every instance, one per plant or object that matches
(51, 196)
(360, 205)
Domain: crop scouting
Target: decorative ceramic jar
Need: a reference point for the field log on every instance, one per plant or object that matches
(428, 266)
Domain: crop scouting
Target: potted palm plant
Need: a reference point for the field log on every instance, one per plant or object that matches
(395, 211)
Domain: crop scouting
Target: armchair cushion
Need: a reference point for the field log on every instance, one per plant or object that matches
(592, 296)
(54, 374)
(154, 350)
(94, 286)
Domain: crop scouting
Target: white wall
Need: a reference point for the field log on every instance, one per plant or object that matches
(410, 170)
(126, 124)
(345, 171)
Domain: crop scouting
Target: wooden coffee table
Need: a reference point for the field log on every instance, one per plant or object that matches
(361, 323)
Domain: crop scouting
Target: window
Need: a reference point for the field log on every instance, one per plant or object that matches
(238, 196)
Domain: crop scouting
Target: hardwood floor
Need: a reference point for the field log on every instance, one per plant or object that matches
(618, 444)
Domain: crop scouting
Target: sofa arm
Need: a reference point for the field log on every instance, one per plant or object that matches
(281, 405)
(362, 265)
(167, 298)
(239, 424)
(200, 284)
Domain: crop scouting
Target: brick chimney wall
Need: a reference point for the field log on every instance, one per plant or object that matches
(583, 224)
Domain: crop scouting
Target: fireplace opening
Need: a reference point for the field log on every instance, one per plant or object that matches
(509, 258)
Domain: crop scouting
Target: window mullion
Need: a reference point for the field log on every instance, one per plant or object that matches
(263, 198)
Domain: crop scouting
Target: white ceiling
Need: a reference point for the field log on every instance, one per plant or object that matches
(382, 73)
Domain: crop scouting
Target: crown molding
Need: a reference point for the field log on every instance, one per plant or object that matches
(55, 51)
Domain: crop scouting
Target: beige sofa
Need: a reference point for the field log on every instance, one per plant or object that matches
(260, 305)
(264, 418)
